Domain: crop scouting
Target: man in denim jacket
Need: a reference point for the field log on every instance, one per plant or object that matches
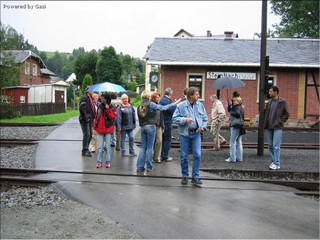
(192, 119)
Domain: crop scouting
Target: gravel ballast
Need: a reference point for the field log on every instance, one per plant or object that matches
(44, 212)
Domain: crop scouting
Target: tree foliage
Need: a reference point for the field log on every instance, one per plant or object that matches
(109, 67)
(9, 71)
(10, 39)
(299, 19)
(85, 63)
(87, 81)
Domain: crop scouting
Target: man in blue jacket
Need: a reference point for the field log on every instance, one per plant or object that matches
(192, 119)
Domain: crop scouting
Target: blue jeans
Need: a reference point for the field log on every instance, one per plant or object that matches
(166, 141)
(274, 143)
(123, 138)
(104, 138)
(86, 128)
(193, 140)
(236, 150)
(148, 134)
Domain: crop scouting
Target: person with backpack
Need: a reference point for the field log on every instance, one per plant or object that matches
(147, 121)
(104, 126)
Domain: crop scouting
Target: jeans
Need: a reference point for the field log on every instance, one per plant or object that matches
(157, 144)
(113, 137)
(193, 140)
(86, 128)
(236, 150)
(148, 134)
(104, 138)
(274, 143)
(123, 138)
(166, 141)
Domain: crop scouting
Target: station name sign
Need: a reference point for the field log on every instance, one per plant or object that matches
(240, 75)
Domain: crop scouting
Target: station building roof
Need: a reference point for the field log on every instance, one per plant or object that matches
(211, 51)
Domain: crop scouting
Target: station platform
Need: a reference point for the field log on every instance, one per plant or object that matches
(160, 207)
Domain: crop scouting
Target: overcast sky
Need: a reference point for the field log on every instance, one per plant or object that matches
(128, 26)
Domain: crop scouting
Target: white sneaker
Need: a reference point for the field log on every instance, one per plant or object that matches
(274, 167)
(229, 160)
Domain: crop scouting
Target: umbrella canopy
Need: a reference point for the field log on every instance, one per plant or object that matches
(227, 82)
(106, 87)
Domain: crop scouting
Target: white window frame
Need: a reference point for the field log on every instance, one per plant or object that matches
(34, 69)
(27, 68)
(201, 91)
(22, 99)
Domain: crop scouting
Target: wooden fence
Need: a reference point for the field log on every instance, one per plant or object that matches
(14, 110)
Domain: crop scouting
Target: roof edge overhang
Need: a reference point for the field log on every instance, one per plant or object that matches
(230, 64)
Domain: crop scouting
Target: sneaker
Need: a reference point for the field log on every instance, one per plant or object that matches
(274, 167)
(117, 149)
(133, 155)
(98, 165)
(168, 160)
(184, 181)
(157, 161)
(196, 181)
(229, 160)
(150, 170)
(108, 165)
(87, 154)
(140, 170)
(125, 155)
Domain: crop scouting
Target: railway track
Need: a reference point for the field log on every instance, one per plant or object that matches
(204, 145)
(31, 177)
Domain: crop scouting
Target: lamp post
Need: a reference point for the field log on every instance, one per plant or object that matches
(263, 61)
(75, 88)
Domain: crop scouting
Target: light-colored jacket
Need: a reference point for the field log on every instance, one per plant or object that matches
(218, 113)
(183, 111)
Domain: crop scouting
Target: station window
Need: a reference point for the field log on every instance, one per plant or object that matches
(22, 99)
(34, 69)
(27, 68)
(196, 80)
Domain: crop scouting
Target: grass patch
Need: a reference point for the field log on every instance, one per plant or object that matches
(50, 118)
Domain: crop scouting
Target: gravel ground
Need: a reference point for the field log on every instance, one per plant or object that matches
(44, 212)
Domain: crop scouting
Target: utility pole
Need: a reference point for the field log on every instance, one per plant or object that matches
(263, 53)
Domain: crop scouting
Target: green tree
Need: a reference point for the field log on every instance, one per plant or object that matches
(85, 63)
(299, 19)
(10, 39)
(109, 67)
(87, 81)
(8, 71)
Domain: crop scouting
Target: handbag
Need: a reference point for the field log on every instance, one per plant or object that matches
(237, 122)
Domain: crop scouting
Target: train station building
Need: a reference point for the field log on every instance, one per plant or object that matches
(184, 61)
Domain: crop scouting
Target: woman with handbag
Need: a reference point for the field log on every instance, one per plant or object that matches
(104, 126)
(236, 128)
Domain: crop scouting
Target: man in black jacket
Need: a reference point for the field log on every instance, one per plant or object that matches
(276, 115)
(87, 113)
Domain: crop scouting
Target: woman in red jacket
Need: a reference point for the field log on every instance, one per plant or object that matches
(104, 125)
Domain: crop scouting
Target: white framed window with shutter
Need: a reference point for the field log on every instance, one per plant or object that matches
(27, 68)
(34, 69)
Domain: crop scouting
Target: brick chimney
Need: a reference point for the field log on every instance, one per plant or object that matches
(228, 35)
(14, 47)
(209, 33)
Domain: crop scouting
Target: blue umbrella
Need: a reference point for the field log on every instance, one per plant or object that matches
(106, 87)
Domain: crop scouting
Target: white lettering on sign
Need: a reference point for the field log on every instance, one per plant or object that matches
(240, 75)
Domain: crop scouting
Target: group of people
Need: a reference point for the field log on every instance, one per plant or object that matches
(156, 116)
